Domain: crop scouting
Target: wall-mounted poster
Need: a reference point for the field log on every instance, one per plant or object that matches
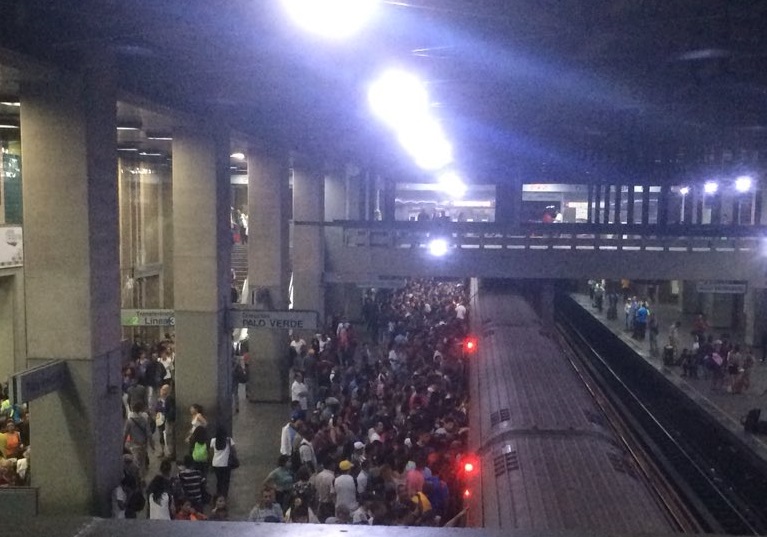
(11, 247)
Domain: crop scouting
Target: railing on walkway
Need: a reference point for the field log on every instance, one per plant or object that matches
(490, 236)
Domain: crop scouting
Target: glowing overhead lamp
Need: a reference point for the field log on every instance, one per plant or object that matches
(438, 247)
(452, 184)
(238, 156)
(398, 98)
(334, 19)
(710, 187)
(427, 144)
(743, 183)
(684, 190)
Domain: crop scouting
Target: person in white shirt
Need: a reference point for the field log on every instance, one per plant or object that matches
(299, 391)
(345, 488)
(289, 433)
(159, 498)
(460, 311)
(222, 446)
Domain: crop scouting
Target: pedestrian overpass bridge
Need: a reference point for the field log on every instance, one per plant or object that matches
(369, 252)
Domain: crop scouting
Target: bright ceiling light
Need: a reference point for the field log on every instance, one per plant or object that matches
(438, 247)
(238, 156)
(397, 98)
(743, 183)
(426, 143)
(710, 187)
(334, 19)
(684, 190)
(452, 184)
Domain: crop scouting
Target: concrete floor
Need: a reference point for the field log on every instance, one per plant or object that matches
(256, 432)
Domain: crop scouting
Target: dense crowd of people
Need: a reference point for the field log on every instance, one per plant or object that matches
(377, 430)
(14, 442)
(377, 424)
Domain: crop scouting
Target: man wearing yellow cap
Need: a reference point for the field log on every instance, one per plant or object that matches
(345, 487)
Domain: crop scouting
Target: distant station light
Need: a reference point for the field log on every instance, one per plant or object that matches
(452, 184)
(438, 247)
(710, 187)
(332, 19)
(684, 190)
(743, 183)
(470, 345)
(467, 493)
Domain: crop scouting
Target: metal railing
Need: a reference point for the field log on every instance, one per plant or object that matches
(489, 236)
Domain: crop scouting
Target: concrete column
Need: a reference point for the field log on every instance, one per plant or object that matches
(355, 193)
(71, 272)
(267, 265)
(202, 252)
(308, 246)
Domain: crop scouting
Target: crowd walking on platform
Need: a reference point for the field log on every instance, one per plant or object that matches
(376, 431)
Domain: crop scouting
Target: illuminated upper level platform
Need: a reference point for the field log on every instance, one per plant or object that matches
(364, 251)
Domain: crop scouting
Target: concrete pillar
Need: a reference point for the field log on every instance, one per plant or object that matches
(267, 265)
(547, 293)
(308, 254)
(202, 252)
(355, 193)
(335, 196)
(72, 277)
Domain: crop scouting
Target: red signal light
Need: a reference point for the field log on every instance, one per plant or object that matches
(470, 345)
(469, 465)
(467, 493)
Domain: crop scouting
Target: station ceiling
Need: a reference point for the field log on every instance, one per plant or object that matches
(534, 87)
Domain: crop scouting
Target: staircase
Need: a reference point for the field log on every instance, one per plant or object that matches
(240, 264)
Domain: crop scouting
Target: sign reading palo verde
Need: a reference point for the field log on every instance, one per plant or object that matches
(148, 317)
(722, 288)
(38, 381)
(243, 317)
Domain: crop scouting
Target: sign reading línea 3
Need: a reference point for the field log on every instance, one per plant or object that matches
(241, 317)
(148, 317)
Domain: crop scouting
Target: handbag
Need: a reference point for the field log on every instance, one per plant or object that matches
(200, 452)
(234, 460)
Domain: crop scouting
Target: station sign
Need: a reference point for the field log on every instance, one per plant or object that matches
(722, 288)
(148, 317)
(249, 317)
(38, 381)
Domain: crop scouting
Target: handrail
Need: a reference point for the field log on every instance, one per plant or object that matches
(536, 228)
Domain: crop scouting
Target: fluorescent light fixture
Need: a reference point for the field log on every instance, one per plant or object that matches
(333, 19)
(128, 125)
(743, 183)
(710, 187)
(162, 136)
(452, 184)
(11, 103)
(127, 148)
(398, 98)
(150, 154)
(238, 156)
(7, 125)
(684, 190)
(438, 247)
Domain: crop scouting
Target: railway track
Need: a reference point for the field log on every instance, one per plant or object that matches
(705, 479)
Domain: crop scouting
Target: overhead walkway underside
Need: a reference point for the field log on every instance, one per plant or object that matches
(366, 251)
